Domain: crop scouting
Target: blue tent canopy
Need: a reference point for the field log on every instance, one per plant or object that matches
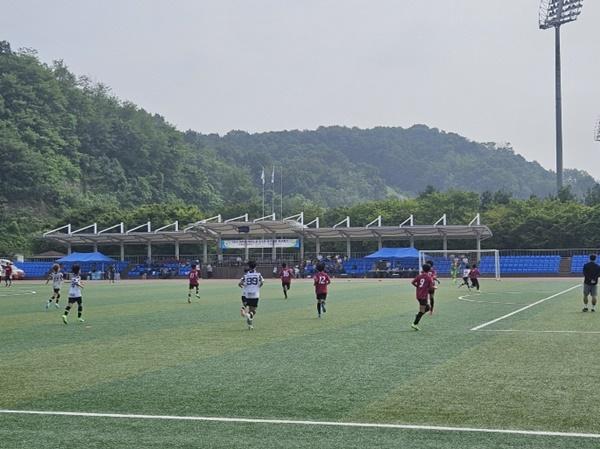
(394, 253)
(96, 257)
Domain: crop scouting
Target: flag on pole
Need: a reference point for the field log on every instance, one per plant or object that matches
(273, 175)
(262, 176)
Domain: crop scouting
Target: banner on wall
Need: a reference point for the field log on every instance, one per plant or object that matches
(259, 243)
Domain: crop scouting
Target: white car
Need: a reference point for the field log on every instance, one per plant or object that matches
(17, 273)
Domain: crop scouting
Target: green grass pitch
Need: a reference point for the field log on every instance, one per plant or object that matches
(144, 350)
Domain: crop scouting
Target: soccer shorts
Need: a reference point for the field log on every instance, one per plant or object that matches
(322, 296)
(252, 302)
(286, 284)
(56, 290)
(590, 290)
(193, 286)
(244, 301)
(75, 300)
(423, 302)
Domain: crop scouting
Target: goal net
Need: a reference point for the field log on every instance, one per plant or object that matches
(445, 262)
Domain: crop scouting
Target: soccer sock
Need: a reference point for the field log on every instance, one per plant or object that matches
(431, 302)
(79, 311)
(418, 318)
(428, 307)
(67, 310)
(319, 308)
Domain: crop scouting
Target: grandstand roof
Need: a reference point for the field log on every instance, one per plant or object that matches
(214, 228)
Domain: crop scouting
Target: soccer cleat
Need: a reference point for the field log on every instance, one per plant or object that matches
(585, 309)
(248, 320)
(47, 305)
(415, 327)
(56, 305)
(64, 318)
(189, 300)
(198, 295)
(81, 320)
(319, 315)
(593, 309)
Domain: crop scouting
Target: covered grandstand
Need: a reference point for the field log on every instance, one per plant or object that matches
(243, 231)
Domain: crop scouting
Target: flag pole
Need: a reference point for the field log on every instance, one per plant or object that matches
(273, 191)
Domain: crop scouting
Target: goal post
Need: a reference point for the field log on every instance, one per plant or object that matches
(487, 260)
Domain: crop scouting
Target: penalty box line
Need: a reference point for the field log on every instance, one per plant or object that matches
(481, 326)
(305, 423)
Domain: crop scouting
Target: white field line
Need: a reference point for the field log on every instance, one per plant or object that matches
(481, 326)
(468, 295)
(540, 332)
(304, 423)
(8, 294)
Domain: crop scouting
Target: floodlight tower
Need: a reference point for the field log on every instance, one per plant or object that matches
(553, 14)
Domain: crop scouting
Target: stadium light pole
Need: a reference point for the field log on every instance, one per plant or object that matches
(553, 14)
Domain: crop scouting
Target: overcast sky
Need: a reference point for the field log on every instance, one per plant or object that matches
(480, 68)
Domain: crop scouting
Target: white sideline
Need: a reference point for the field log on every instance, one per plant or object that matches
(481, 326)
(304, 423)
(540, 332)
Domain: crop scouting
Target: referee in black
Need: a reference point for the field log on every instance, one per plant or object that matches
(591, 272)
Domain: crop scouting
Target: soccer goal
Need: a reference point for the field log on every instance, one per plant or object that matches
(487, 260)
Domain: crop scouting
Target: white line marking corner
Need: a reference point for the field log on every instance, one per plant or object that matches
(481, 326)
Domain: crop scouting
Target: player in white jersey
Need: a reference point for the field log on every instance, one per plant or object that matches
(74, 295)
(465, 277)
(56, 277)
(250, 284)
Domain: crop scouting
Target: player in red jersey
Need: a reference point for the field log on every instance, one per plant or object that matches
(286, 274)
(194, 279)
(474, 274)
(8, 274)
(321, 281)
(435, 282)
(423, 283)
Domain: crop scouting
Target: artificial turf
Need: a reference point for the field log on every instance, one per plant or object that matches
(144, 350)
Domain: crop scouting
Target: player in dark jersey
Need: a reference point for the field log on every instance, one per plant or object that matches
(474, 274)
(321, 281)
(8, 274)
(194, 281)
(286, 274)
(591, 272)
(434, 283)
(423, 283)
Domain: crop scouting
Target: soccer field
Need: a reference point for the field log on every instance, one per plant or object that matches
(159, 372)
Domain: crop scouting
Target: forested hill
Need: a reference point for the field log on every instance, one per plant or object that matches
(72, 151)
(352, 164)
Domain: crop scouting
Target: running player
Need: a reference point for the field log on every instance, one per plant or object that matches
(74, 295)
(194, 281)
(474, 274)
(243, 309)
(434, 283)
(454, 269)
(465, 277)
(286, 274)
(321, 281)
(250, 283)
(56, 277)
(423, 283)
(8, 274)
